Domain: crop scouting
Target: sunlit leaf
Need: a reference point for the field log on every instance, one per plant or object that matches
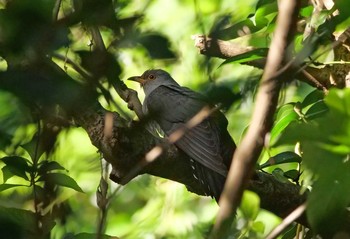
(250, 205)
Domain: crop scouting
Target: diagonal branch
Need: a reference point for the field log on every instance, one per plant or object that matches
(249, 151)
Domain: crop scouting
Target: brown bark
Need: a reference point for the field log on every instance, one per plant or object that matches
(126, 145)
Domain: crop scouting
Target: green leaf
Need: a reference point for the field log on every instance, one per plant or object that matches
(5, 186)
(16, 165)
(32, 149)
(291, 232)
(61, 180)
(258, 227)
(6, 173)
(292, 174)
(316, 110)
(285, 157)
(47, 166)
(250, 205)
(312, 98)
(247, 56)
(286, 114)
(329, 197)
(306, 11)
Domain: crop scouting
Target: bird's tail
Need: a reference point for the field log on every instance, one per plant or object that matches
(211, 181)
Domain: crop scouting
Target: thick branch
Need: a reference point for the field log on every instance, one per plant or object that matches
(128, 144)
(321, 78)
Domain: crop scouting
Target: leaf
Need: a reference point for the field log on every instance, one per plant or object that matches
(316, 110)
(32, 149)
(286, 114)
(5, 186)
(61, 180)
(312, 98)
(285, 157)
(157, 46)
(330, 194)
(16, 165)
(292, 174)
(250, 205)
(247, 56)
(291, 232)
(47, 166)
(6, 173)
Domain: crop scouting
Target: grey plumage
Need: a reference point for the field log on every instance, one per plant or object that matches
(208, 144)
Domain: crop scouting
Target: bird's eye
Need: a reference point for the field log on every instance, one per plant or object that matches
(151, 77)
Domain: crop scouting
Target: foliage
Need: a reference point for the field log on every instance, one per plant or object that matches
(52, 65)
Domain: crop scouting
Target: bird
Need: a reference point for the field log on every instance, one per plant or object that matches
(208, 145)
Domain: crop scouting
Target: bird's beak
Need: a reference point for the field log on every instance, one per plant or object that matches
(138, 79)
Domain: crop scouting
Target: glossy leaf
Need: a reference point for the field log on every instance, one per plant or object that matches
(282, 158)
(61, 180)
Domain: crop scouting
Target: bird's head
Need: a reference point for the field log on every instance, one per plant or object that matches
(151, 79)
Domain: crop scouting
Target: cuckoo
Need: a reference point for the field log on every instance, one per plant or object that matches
(208, 145)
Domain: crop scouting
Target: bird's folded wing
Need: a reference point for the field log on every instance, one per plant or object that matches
(172, 108)
(202, 145)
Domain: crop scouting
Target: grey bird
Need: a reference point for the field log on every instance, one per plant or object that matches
(208, 144)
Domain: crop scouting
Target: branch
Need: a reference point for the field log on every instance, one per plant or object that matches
(249, 150)
(128, 95)
(128, 144)
(321, 78)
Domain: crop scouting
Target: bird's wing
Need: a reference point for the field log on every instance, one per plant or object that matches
(172, 107)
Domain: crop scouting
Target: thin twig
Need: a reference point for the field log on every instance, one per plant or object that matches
(287, 221)
(128, 95)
